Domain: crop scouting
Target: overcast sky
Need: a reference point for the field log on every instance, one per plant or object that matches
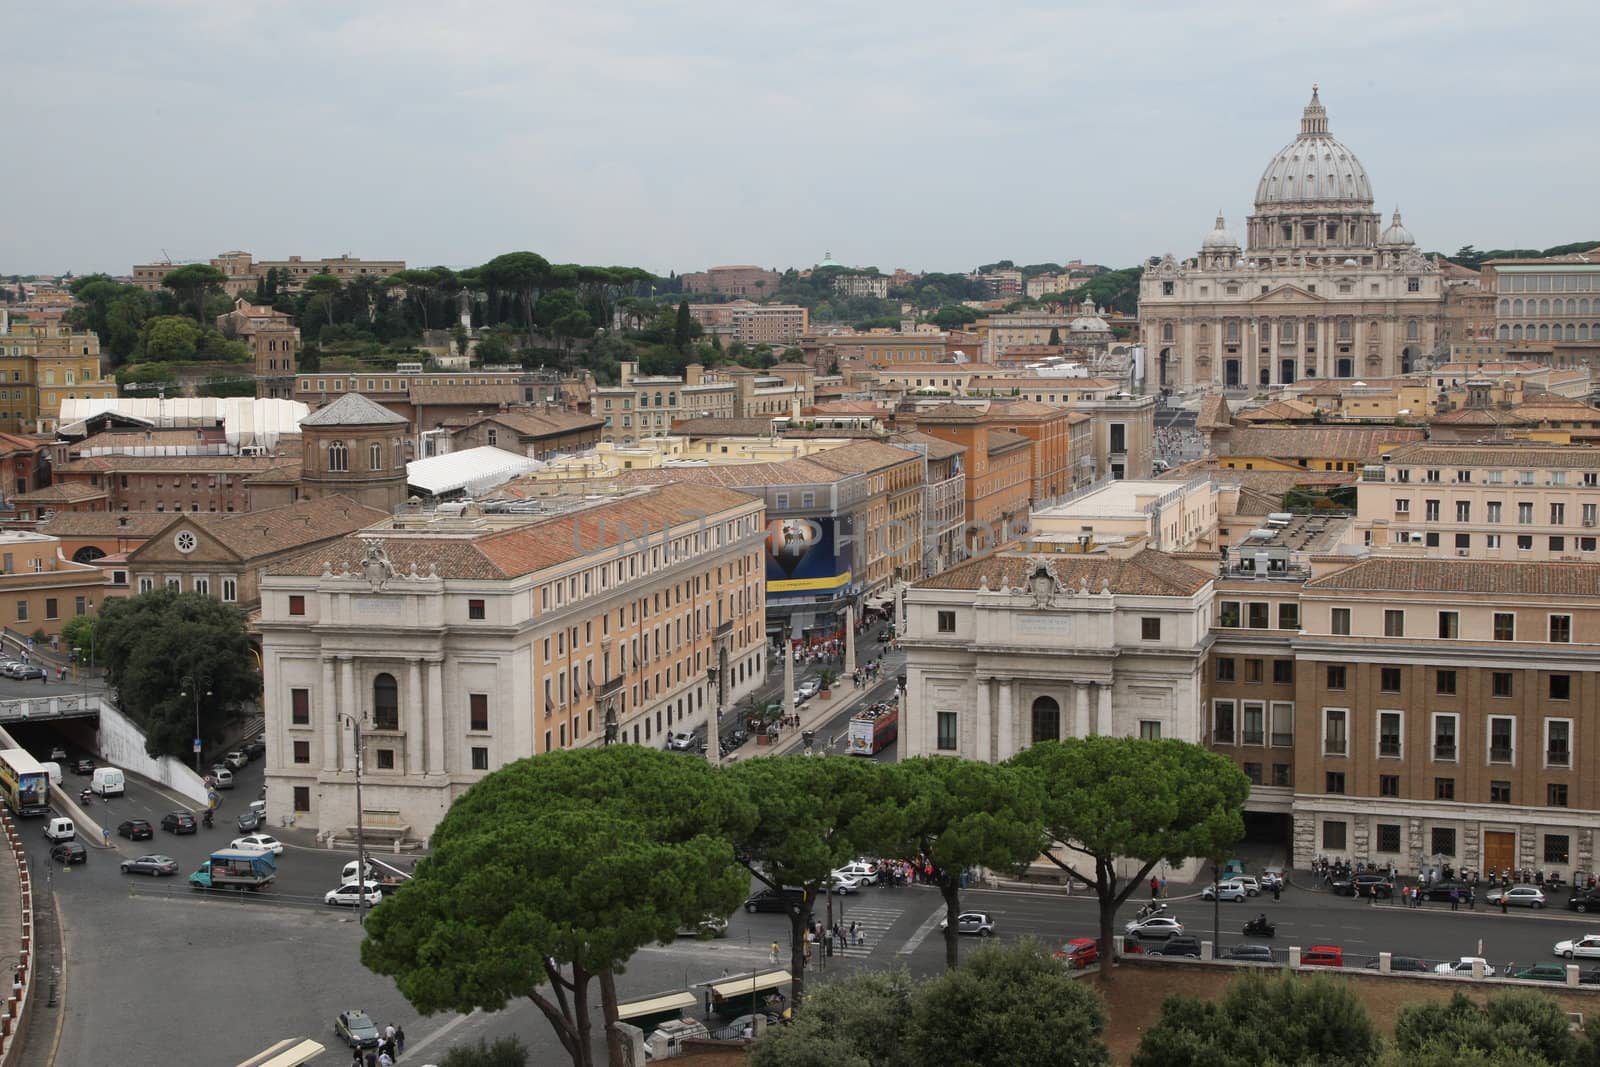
(932, 136)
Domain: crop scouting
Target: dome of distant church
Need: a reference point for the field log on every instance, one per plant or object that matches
(1395, 234)
(1088, 320)
(1313, 168)
(1219, 238)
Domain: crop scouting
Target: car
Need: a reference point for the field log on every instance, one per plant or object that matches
(179, 822)
(976, 923)
(709, 927)
(1274, 877)
(1587, 946)
(1589, 977)
(809, 688)
(1322, 956)
(135, 829)
(1442, 890)
(58, 754)
(69, 852)
(350, 895)
(254, 750)
(1405, 964)
(153, 865)
(1584, 900)
(247, 822)
(1178, 945)
(1229, 890)
(26, 672)
(1372, 885)
(862, 869)
(356, 1029)
(1154, 928)
(681, 743)
(1249, 881)
(1079, 952)
(259, 843)
(221, 777)
(774, 900)
(1543, 972)
(1522, 896)
(235, 759)
(846, 883)
(1463, 967)
(1249, 953)
(83, 766)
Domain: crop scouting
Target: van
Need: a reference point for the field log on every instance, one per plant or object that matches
(223, 777)
(60, 829)
(53, 769)
(107, 781)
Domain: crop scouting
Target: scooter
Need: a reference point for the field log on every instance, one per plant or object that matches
(1259, 927)
(206, 818)
(84, 796)
(1152, 908)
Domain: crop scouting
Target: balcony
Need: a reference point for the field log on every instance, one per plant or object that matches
(1283, 740)
(1558, 757)
(1390, 749)
(1444, 753)
(1333, 746)
(1500, 754)
(1222, 737)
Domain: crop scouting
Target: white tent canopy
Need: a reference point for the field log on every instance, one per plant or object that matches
(474, 470)
(245, 420)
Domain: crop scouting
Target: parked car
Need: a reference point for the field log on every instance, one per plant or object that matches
(356, 1029)
(862, 869)
(235, 759)
(1178, 945)
(844, 882)
(809, 688)
(255, 749)
(1587, 946)
(83, 766)
(26, 672)
(1589, 977)
(1521, 896)
(1442, 890)
(1463, 967)
(1251, 885)
(351, 894)
(1252, 953)
(179, 822)
(222, 776)
(153, 865)
(1405, 964)
(709, 927)
(135, 829)
(1079, 952)
(69, 852)
(1274, 877)
(1373, 885)
(259, 842)
(1229, 890)
(1584, 900)
(773, 900)
(1543, 972)
(1322, 956)
(1155, 928)
(977, 923)
(681, 743)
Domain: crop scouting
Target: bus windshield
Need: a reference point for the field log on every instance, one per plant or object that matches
(26, 783)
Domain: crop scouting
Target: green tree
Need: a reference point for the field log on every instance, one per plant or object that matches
(169, 339)
(1110, 798)
(190, 283)
(552, 872)
(954, 316)
(520, 277)
(812, 816)
(78, 633)
(1294, 1019)
(1520, 1026)
(149, 644)
(859, 1021)
(1055, 335)
(502, 1052)
(960, 814)
(323, 289)
(683, 328)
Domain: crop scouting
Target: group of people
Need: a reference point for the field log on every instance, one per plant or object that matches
(835, 939)
(391, 1043)
(831, 651)
(1413, 897)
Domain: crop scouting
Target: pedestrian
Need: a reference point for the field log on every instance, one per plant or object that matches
(1163, 888)
(388, 1034)
(1472, 899)
(356, 1059)
(1455, 900)
(1503, 902)
(1155, 887)
(384, 1059)
(772, 953)
(1277, 889)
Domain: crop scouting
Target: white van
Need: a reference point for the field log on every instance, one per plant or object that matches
(60, 829)
(107, 781)
(223, 777)
(53, 769)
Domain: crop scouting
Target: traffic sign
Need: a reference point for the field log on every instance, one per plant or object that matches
(197, 744)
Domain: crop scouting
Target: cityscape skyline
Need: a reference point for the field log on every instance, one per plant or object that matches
(898, 138)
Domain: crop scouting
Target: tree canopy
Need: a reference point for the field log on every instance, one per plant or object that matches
(1521, 1026)
(191, 282)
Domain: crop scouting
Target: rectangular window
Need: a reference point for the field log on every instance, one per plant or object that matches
(1561, 687)
(1463, 511)
(947, 731)
(1500, 683)
(1150, 628)
(1283, 671)
(1444, 738)
(1253, 671)
(1444, 683)
(1505, 626)
(385, 755)
(1255, 723)
(1335, 782)
(1389, 734)
(1150, 729)
(475, 609)
(302, 798)
(1561, 629)
(1443, 838)
(1334, 741)
(1252, 771)
(1494, 509)
(1430, 510)
(1258, 616)
(1282, 725)
(50, 609)
(1283, 775)
(1288, 615)
(1394, 623)
(300, 707)
(1224, 668)
(1449, 624)
(478, 705)
(480, 759)
(1558, 742)
(1555, 795)
(1389, 679)
(1230, 614)
(1388, 786)
(1333, 834)
(1524, 542)
(1502, 729)
(1557, 848)
(947, 622)
(1388, 837)
(302, 751)
(1222, 722)
(1444, 789)
(1525, 514)
(1336, 676)
(1499, 792)
(1558, 514)
(1491, 541)
(297, 605)
(1341, 622)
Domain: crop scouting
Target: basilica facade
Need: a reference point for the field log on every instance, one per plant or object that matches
(1322, 288)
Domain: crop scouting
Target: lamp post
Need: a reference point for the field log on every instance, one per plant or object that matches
(714, 723)
(361, 839)
(192, 686)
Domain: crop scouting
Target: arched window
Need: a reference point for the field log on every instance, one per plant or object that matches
(375, 456)
(1505, 306)
(1046, 720)
(658, 400)
(1166, 331)
(1544, 331)
(1572, 332)
(1505, 332)
(1205, 331)
(1411, 330)
(1516, 332)
(87, 554)
(1544, 306)
(1583, 305)
(385, 703)
(338, 456)
(1583, 331)
(1516, 306)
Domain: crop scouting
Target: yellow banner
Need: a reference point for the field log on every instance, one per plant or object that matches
(797, 585)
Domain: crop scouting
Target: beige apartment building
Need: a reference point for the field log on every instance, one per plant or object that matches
(462, 642)
(751, 323)
(243, 271)
(40, 589)
(42, 363)
(1125, 515)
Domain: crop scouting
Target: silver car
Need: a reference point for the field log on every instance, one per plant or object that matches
(1522, 896)
(1229, 890)
(977, 923)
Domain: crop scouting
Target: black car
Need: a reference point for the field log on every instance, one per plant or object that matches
(1402, 964)
(68, 852)
(356, 1029)
(135, 829)
(179, 822)
(773, 900)
(1373, 885)
(254, 749)
(1584, 900)
(83, 766)
(1441, 890)
(1177, 945)
(1253, 953)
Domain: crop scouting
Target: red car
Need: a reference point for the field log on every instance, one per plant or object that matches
(1079, 952)
(1322, 956)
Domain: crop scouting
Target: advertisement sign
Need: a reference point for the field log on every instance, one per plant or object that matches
(807, 556)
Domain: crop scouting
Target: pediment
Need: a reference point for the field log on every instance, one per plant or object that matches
(1287, 293)
(163, 547)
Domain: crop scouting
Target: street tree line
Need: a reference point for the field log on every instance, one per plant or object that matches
(549, 874)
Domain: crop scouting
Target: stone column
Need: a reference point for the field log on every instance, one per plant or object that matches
(983, 727)
(349, 705)
(435, 717)
(1104, 712)
(415, 734)
(849, 640)
(788, 679)
(328, 707)
(1081, 698)
(1006, 741)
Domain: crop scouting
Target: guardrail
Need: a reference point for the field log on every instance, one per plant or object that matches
(22, 974)
(63, 706)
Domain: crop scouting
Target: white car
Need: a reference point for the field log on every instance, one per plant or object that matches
(1229, 890)
(258, 843)
(866, 873)
(1463, 967)
(1155, 928)
(844, 882)
(350, 895)
(1587, 946)
(808, 689)
(1522, 896)
(971, 922)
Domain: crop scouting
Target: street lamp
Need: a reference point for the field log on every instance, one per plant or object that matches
(714, 723)
(192, 686)
(361, 839)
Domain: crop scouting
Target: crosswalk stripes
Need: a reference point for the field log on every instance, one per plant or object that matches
(874, 923)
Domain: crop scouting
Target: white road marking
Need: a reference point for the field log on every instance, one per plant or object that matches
(928, 926)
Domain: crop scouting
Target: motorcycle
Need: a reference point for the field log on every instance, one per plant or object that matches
(84, 797)
(1259, 927)
(1152, 908)
(206, 818)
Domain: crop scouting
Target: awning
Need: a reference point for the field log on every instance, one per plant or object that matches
(681, 1001)
(751, 983)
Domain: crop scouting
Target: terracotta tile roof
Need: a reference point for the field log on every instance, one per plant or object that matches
(542, 542)
(121, 440)
(1023, 408)
(489, 395)
(846, 407)
(953, 413)
(1509, 455)
(286, 472)
(1387, 574)
(1479, 417)
(65, 493)
(1319, 442)
(105, 523)
(531, 423)
(738, 475)
(938, 447)
(1214, 413)
(1146, 573)
(10, 442)
(239, 465)
(1280, 411)
(718, 427)
(1005, 441)
(861, 457)
(1275, 482)
(261, 533)
(1554, 410)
